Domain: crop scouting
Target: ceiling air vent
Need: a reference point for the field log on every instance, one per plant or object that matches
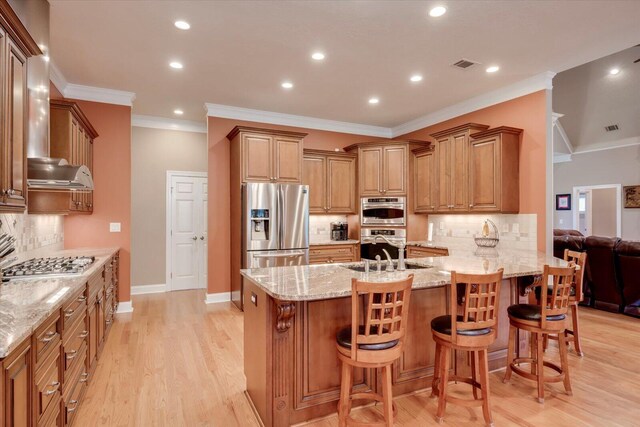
(611, 128)
(464, 63)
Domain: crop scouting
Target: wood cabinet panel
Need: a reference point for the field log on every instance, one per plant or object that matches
(333, 254)
(315, 176)
(421, 252)
(48, 385)
(443, 193)
(459, 172)
(341, 185)
(258, 159)
(484, 169)
(46, 338)
(395, 171)
(370, 166)
(288, 159)
(424, 181)
(17, 386)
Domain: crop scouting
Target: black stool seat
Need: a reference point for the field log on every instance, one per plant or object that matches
(344, 340)
(530, 312)
(442, 324)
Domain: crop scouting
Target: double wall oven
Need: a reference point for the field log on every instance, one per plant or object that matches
(382, 216)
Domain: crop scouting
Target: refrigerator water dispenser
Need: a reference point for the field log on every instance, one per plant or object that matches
(260, 224)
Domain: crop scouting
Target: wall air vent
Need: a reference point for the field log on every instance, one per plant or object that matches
(611, 128)
(464, 63)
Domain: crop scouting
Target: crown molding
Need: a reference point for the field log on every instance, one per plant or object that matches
(561, 158)
(56, 76)
(98, 94)
(620, 143)
(542, 81)
(260, 116)
(170, 124)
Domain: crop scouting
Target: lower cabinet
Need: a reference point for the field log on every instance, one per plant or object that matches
(421, 252)
(17, 371)
(327, 254)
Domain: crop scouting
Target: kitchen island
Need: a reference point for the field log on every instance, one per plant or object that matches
(292, 315)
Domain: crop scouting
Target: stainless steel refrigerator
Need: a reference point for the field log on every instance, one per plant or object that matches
(275, 229)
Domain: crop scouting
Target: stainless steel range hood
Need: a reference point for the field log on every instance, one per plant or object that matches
(46, 173)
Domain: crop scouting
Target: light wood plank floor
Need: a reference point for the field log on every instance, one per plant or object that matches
(178, 362)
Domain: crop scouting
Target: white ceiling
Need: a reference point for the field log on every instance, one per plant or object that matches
(238, 53)
(590, 99)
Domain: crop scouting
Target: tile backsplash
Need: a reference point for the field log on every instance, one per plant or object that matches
(320, 226)
(34, 232)
(516, 231)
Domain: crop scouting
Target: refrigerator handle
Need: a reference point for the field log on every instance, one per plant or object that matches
(280, 195)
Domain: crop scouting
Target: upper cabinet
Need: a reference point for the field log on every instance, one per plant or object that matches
(452, 151)
(494, 170)
(16, 45)
(424, 187)
(383, 167)
(331, 178)
(266, 155)
(72, 137)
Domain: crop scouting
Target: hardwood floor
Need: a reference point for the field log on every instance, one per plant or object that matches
(178, 362)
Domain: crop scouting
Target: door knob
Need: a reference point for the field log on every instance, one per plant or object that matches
(194, 238)
(201, 237)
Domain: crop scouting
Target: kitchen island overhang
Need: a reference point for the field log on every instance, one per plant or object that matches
(292, 315)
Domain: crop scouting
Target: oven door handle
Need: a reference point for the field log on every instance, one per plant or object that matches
(289, 255)
(366, 206)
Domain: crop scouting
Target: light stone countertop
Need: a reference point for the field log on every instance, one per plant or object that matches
(26, 303)
(317, 282)
(426, 244)
(334, 242)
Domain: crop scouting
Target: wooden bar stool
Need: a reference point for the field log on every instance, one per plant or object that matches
(474, 331)
(576, 297)
(376, 344)
(540, 320)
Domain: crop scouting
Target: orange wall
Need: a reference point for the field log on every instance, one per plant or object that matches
(219, 185)
(528, 113)
(112, 195)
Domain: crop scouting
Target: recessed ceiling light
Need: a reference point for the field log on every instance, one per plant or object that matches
(374, 100)
(318, 56)
(438, 11)
(287, 85)
(614, 71)
(416, 78)
(493, 69)
(176, 65)
(183, 25)
(178, 112)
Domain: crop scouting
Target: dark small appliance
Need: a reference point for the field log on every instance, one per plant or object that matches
(339, 231)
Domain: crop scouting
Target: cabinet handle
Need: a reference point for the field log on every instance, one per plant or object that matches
(83, 334)
(84, 377)
(201, 237)
(48, 337)
(194, 238)
(55, 385)
(72, 354)
(69, 313)
(75, 406)
(89, 205)
(470, 205)
(82, 298)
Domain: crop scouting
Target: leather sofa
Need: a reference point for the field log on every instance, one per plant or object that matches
(612, 273)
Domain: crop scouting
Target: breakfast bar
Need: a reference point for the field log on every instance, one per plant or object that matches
(292, 315)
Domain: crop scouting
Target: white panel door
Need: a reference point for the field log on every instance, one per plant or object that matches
(188, 233)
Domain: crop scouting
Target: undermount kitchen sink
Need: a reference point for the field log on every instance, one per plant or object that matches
(372, 266)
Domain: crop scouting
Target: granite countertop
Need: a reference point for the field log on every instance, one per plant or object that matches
(317, 282)
(26, 303)
(334, 242)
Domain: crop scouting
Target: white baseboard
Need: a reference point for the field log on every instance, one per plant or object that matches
(148, 289)
(219, 297)
(125, 307)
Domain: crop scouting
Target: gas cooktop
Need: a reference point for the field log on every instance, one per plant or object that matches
(48, 267)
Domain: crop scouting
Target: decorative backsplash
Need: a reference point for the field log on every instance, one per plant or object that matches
(516, 231)
(320, 226)
(34, 232)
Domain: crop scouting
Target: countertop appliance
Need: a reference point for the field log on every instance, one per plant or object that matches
(275, 229)
(48, 267)
(368, 250)
(339, 231)
(385, 211)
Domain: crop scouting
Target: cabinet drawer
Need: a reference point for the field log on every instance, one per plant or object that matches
(74, 308)
(96, 281)
(48, 384)
(418, 251)
(51, 418)
(73, 399)
(333, 250)
(46, 338)
(73, 346)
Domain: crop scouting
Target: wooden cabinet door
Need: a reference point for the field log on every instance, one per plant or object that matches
(17, 384)
(257, 158)
(443, 171)
(92, 327)
(90, 166)
(15, 182)
(459, 172)
(423, 182)
(394, 171)
(100, 318)
(370, 171)
(315, 176)
(287, 154)
(484, 174)
(341, 186)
